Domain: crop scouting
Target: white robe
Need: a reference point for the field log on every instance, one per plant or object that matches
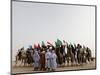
(65, 49)
(65, 44)
(48, 59)
(36, 59)
(53, 61)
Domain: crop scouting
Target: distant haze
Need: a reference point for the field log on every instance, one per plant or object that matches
(36, 22)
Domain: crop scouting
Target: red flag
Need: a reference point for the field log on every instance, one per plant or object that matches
(49, 43)
(35, 46)
(39, 45)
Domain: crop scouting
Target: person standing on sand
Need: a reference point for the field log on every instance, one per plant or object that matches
(36, 59)
(53, 60)
(48, 59)
(42, 60)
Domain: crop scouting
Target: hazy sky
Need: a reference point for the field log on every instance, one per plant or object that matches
(34, 22)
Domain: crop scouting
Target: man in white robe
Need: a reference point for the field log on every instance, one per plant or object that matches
(36, 59)
(53, 60)
(48, 60)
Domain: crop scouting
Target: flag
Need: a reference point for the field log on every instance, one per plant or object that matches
(57, 45)
(35, 46)
(43, 44)
(30, 46)
(49, 43)
(59, 42)
(39, 45)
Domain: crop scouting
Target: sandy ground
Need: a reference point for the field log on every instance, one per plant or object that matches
(27, 69)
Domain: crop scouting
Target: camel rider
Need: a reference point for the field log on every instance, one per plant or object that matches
(19, 54)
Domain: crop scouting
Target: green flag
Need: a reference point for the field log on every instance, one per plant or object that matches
(57, 45)
(43, 44)
(59, 42)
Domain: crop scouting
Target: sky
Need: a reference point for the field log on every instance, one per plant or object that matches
(36, 22)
